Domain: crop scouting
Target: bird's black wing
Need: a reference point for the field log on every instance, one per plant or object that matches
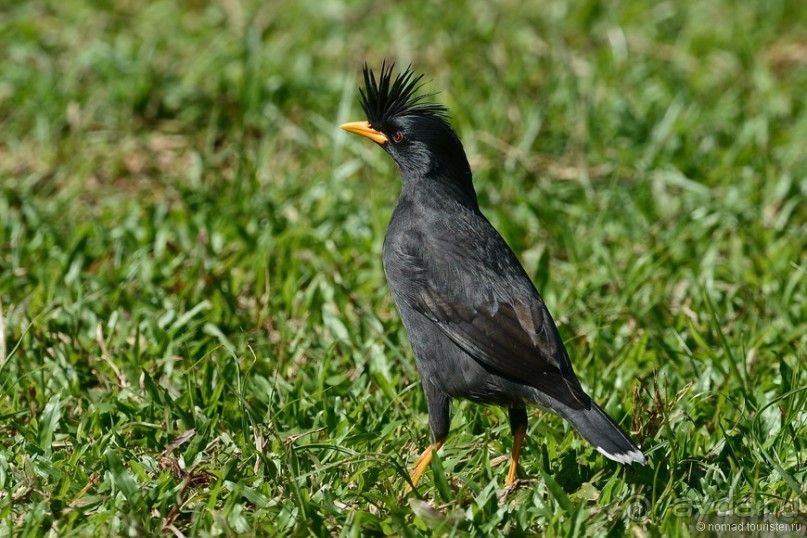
(481, 298)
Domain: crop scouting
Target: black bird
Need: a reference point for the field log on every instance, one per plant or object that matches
(477, 325)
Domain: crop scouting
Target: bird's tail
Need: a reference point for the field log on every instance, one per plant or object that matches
(600, 430)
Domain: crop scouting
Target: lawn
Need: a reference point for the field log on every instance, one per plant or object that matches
(196, 337)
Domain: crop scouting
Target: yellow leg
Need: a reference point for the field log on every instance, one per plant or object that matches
(518, 441)
(422, 462)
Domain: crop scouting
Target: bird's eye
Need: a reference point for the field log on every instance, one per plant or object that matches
(397, 137)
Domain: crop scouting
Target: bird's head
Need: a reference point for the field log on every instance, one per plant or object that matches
(415, 133)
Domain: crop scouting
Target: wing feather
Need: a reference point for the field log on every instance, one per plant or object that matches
(502, 322)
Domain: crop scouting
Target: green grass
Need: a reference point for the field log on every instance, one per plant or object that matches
(197, 335)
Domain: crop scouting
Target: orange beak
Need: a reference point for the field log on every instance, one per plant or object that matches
(363, 128)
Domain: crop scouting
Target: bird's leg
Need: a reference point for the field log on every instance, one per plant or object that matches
(437, 402)
(423, 461)
(518, 426)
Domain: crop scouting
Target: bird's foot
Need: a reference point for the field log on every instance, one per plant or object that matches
(422, 462)
(508, 489)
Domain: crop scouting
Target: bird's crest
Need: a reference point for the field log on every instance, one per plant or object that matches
(384, 98)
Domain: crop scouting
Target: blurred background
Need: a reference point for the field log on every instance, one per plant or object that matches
(195, 331)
